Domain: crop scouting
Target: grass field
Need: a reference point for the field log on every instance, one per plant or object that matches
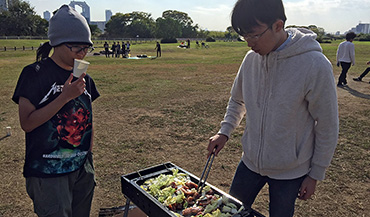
(155, 111)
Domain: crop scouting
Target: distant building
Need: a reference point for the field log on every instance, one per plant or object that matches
(85, 13)
(85, 8)
(108, 15)
(361, 28)
(47, 15)
(100, 24)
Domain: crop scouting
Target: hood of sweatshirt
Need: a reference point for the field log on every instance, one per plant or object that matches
(303, 40)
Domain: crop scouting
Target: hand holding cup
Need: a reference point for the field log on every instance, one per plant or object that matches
(80, 67)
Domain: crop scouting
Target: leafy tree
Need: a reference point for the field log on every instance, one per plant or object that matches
(130, 25)
(95, 31)
(186, 23)
(230, 33)
(167, 28)
(363, 37)
(21, 19)
(202, 33)
(181, 17)
(142, 24)
(116, 26)
(320, 32)
(216, 34)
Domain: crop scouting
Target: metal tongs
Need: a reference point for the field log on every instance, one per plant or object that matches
(206, 168)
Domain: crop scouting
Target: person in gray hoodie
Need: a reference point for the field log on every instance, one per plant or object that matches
(286, 91)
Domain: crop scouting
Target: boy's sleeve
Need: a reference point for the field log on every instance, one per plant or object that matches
(235, 110)
(323, 106)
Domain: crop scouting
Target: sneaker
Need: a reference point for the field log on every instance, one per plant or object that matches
(345, 85)
(340, 85)
(357, 79)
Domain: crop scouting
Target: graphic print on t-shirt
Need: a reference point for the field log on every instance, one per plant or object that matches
(70, 124)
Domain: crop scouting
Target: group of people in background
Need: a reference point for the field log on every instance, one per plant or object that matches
(346, 58)
(186, 44)
(117, 49)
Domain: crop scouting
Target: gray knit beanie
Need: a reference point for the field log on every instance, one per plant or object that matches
(67, 25)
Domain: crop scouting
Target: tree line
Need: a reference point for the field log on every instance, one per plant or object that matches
(21, 20)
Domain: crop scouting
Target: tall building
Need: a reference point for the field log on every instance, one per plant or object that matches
(361, 28)
(47, 15)
(85, 8)
(108, 15)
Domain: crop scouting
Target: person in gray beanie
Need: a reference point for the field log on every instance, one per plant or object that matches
(55, 112)
(67, 25)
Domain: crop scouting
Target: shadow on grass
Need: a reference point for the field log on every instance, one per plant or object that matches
(356, 93)
(4, 137)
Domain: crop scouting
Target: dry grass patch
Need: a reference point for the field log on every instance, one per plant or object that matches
(155, 111)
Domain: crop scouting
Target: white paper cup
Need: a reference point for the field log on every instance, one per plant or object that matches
(79, 67)
(8, 131)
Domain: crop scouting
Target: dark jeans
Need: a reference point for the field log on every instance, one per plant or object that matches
(367, 70)
(247, 184)
(343, 76)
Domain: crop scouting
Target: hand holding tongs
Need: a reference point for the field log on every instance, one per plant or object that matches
(208, 166)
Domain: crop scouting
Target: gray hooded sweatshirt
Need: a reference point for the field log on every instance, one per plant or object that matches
(289, 100)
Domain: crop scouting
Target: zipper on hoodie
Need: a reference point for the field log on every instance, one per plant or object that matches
(263, 116)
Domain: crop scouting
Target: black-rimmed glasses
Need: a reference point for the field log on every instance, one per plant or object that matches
(255, 37)
(78, 49)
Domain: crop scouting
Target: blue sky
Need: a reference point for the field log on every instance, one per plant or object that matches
(332, 15)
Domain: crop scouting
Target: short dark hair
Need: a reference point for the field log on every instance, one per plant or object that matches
(350, 36)
(246, 13)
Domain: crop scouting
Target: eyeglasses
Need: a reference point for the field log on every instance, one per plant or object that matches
(78, 49)
(255, 37)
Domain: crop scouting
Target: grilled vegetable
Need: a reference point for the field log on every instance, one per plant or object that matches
(180, 195)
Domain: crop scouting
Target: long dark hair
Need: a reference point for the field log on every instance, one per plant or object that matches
(43, 51)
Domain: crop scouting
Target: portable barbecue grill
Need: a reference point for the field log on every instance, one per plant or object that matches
(151, 206)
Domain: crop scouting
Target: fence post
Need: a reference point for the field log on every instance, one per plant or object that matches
(32, 47)
(15, 48)
(24, 48)
(4, 48)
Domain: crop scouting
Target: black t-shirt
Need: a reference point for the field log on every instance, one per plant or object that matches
(60, 145)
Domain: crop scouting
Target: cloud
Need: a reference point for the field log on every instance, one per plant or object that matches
(308, 7)
(220, 9)
(216, 17)
(332, 15)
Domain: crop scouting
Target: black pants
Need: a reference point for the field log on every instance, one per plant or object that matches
(367, 70)
(282, 193)
(343, 76)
